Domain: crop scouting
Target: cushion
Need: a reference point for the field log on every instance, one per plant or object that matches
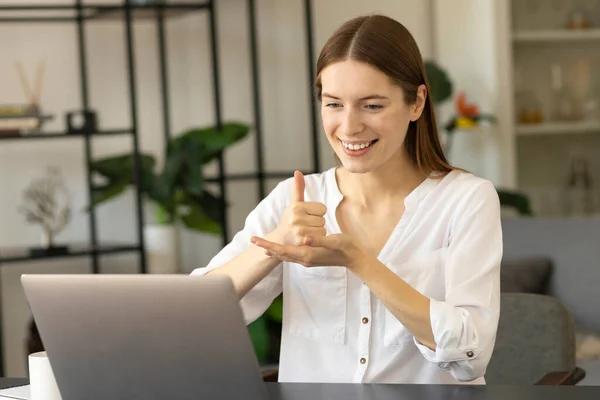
(525, 275)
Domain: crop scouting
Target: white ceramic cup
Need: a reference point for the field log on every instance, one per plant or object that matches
(41, 378)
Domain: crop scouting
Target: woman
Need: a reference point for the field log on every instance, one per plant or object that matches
(389, 263)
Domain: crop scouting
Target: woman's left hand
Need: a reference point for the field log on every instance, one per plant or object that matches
(330, 250)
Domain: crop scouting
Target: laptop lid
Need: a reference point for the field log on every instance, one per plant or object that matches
(145, 336)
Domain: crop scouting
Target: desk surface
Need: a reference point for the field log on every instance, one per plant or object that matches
(332, 391)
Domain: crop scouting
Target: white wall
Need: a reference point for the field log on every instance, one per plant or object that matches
(285, 109)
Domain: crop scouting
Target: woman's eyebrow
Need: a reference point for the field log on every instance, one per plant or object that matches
(370, 97)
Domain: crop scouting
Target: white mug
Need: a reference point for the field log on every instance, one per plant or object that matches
(42, 384)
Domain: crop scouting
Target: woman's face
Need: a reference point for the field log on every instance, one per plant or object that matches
(364, 115)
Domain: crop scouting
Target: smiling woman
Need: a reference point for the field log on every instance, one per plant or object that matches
(389, 263)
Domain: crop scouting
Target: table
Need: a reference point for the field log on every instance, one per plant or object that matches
(333, 391)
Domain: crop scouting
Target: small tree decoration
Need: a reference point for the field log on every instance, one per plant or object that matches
(46, 203)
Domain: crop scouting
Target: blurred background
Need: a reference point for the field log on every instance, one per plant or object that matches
(88, 86)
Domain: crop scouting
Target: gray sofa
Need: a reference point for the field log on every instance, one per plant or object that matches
(560, 257)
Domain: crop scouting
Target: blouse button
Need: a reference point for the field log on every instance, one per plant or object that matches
(470, 354)
(365, 320)
(363, 360)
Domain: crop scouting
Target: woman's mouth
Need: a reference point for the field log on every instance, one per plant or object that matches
(357, 149)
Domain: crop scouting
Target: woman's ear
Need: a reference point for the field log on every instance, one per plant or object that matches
(417, 109)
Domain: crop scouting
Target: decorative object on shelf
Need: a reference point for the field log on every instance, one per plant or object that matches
(565, 104)
(81, 122)
(579, 195)
(527, 105)
(21, 119)
(583, 87)
(46, 203)
(578, 19)
(178, 192)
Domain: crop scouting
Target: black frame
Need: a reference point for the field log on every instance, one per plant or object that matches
(80, 13)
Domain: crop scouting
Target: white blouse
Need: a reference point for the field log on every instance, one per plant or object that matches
(447, 245)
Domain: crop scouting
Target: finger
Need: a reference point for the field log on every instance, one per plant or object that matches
(331, 242)
(300, 232)
(272, 247)
(282, 252)
(313, 221)
(315, 208)
(298, 193)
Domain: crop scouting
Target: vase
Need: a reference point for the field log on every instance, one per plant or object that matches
(162, 249)
(477, 150)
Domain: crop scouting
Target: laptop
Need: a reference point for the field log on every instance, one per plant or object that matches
(145, 337)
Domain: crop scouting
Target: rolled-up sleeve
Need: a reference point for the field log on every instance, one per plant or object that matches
(465, 323)
(261, 221)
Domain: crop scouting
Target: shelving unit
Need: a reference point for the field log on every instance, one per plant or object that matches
(81, 13)
(543, 45)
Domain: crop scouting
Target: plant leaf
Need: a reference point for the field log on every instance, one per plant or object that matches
(193, 177)
(259, 336)
(213, 140)
(105, 193)
(275, 310)
(195, 218)
(119, 167)
(440, 84)
(212, 205)
(516, 200)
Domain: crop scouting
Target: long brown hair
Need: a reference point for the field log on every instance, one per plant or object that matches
(387, 45)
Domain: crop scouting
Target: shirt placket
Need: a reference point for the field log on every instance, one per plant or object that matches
(364, 334)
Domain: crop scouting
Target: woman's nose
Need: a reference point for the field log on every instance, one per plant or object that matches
(351, 123)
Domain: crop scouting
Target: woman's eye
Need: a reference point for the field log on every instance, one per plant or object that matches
(374, 106)
(333, 105)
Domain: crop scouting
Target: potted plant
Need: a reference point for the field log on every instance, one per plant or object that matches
(176, 192)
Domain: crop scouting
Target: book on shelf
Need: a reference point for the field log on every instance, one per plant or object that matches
(20, 119)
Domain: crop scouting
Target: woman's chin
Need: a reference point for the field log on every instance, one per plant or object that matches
(357, 166)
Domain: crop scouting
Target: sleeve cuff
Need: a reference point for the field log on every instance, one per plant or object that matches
(201, 271)
(442, 315)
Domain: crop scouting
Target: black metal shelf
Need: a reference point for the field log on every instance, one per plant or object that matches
(64, 135)
(80, 13)
(253, 175)
(9, 255)
(70, 13)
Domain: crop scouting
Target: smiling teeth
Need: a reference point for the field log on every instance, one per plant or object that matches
(357, 146)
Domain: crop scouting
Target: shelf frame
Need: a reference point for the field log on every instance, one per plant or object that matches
(20, 255)
(72, 13)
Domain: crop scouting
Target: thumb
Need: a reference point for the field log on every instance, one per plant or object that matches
(298, 193)
(331, 242)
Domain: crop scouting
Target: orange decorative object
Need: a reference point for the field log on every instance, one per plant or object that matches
(465, 109)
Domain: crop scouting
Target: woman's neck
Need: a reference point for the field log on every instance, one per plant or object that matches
(389, 183)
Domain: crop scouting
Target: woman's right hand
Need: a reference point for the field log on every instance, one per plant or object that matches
(300, 218)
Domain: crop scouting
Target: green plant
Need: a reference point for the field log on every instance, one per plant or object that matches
(178, 190)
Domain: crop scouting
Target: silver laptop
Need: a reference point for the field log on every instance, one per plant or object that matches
(145, 337)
